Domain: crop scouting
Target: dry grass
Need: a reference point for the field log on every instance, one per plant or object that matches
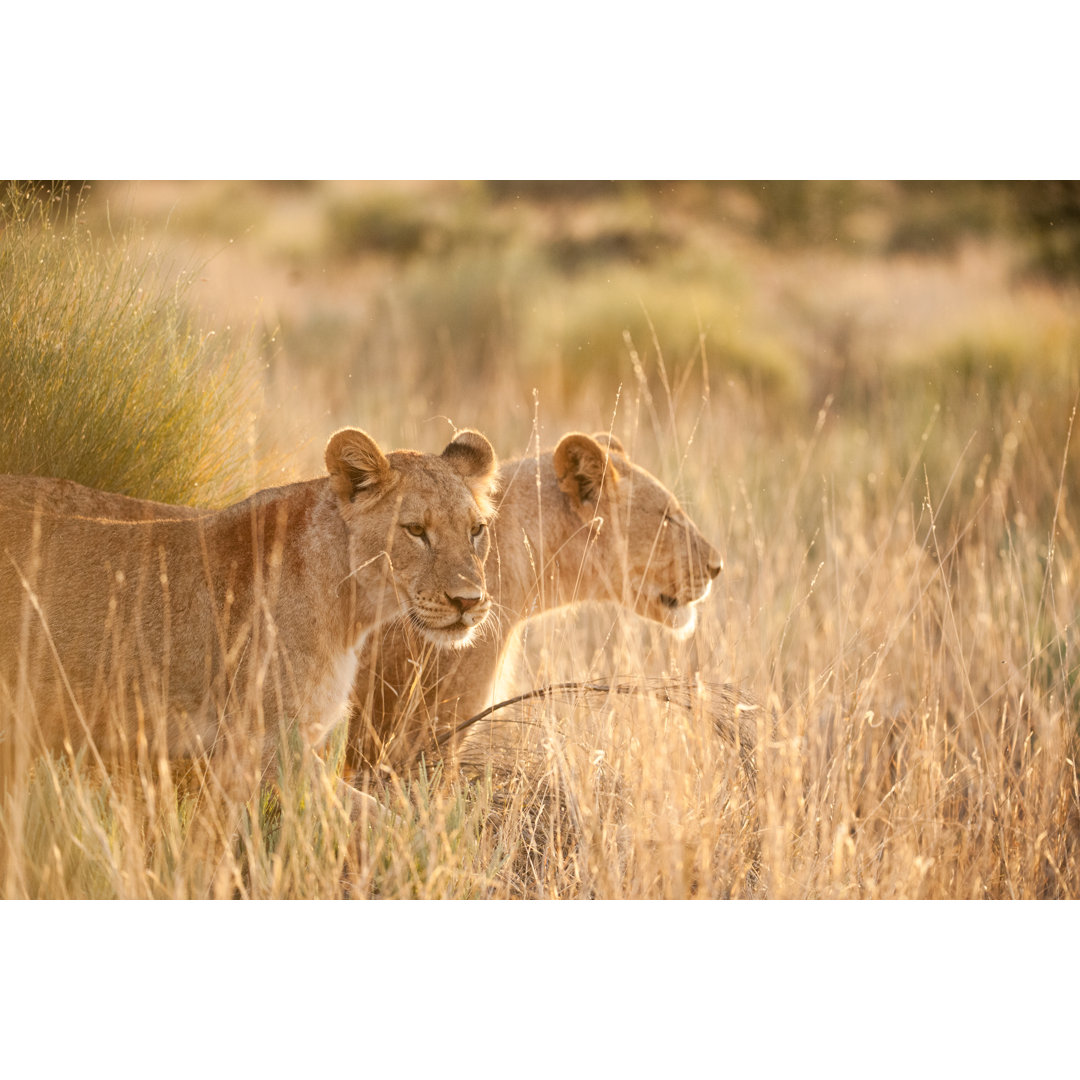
(900, 590)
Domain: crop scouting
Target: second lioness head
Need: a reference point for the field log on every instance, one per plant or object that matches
(649, 552)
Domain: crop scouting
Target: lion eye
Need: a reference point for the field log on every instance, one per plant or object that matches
(478, 528)
(415, 529)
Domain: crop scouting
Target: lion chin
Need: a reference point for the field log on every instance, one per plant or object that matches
(458, 635)
(680, 616)
(682, 620)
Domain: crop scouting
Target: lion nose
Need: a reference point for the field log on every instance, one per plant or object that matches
(715, 566)
(465, 603)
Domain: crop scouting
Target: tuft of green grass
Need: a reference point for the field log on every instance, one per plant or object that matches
(106, 377)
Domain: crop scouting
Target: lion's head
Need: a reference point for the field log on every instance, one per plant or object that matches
(427, 515)
(651, 556)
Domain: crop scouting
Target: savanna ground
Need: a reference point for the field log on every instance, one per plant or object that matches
(863, 393)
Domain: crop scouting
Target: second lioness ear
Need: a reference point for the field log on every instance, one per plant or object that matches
(355, 464)
(605, 438)
(582, 467)
(472, 456)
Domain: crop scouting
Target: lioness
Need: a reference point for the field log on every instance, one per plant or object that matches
(578, 523)
(122, 620)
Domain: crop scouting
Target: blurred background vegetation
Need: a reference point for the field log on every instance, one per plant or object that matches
(205, 332)
(372, 300)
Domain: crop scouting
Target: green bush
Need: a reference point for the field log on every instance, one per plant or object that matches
(105, 377)
(1002, 356)
(936, 218)
(387, 223)
(587, 324)
(1049, 211)
(487, 311)
(614, 243)
(794, 213)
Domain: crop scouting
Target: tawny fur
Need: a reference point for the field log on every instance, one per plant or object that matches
(574, 524)
(124, 620)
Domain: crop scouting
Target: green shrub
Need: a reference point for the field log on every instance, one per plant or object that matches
(613, 243)
(388, 223)
(1049, 212)
(489, 310)
(935, 218)
(587, 323)
(804, 212)
(105, 377)
(1002, 356)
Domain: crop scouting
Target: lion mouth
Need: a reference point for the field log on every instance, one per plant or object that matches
(457, 634)
(680, 616)
(673, 603)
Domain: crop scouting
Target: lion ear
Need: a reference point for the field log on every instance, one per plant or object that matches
(355, 464)
(472, 456)
(605, 438)
(582, 467)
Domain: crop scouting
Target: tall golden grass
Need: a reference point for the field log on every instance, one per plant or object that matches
(898, 605)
